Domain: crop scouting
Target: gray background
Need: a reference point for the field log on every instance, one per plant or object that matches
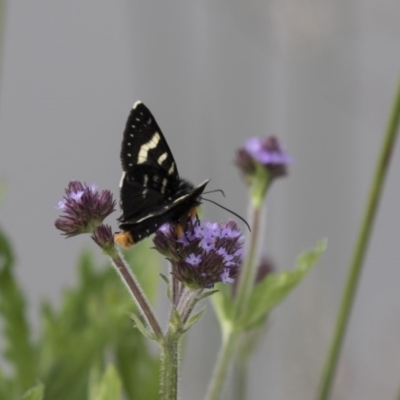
(320, 74)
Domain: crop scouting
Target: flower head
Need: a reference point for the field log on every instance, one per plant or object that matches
(84, 208)
(261, 161)
(206, 254)
(266, 152)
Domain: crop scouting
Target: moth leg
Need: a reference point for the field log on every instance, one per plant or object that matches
(124, 239)
(193, 214)
(179, 232)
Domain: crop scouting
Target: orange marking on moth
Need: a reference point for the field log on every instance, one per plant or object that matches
(124, 239)
(193, 212)
(179, 231)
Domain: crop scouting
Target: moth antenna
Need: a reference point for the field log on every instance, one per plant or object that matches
(216, 190)
(227, 209)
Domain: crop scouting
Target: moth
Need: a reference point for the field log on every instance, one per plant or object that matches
(151, 190)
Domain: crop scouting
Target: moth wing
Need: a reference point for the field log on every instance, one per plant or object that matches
(150, 175)
(144, 144)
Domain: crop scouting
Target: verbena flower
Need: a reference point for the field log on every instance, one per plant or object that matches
(266, 152)
(206, 254)
(261, 161)
(84, 208)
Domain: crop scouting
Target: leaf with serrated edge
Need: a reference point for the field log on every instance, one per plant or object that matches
(275, 287)
(142, 329)
(35, 393)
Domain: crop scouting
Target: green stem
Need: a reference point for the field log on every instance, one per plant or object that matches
(240, 378)
(169, 367)
(360, 250)
(221, 368)
(245, 345)
(248, 271)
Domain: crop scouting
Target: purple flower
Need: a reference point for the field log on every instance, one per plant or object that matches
(104, 237)
(84, 208)
(225, 278)
(206, 256)
(193, 259)
(266, 152)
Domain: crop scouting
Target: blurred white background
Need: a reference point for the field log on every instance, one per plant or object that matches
(319, 74)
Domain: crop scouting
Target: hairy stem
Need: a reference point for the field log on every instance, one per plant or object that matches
(136, 292)
(169, 367)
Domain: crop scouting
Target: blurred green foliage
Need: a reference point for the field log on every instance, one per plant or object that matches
(266, 295)
(77, 343)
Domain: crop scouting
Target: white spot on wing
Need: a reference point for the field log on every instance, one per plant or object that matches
(122, 179)
(171, 169)
(144, 149)
(136, 104)
(162, 158)
(146, 179)
(164, 185)
(129, 155)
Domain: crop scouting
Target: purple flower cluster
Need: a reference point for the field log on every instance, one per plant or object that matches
(84, 208)
(265, 151)
(206, 254)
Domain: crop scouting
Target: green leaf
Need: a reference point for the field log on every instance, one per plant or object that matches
(207, 294)
(18, 348)
(109, 387)
(35, 393)
(138, 367)
(164, 278)
(193, 319)
(275, 287)
(140, 326)
(94, 382)
(92, 321)
(223, 306)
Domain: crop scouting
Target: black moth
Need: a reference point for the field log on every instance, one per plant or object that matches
(151, 191)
